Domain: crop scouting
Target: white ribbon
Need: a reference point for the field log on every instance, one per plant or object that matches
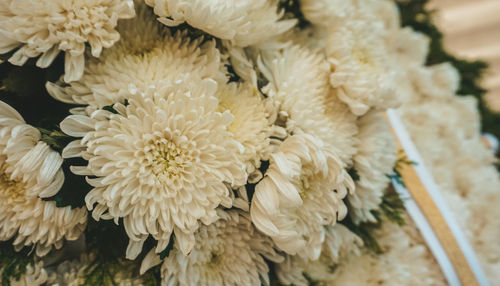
(420, 219)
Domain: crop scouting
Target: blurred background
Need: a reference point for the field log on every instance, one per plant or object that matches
(471, 30)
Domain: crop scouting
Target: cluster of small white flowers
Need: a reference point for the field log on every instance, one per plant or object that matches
(234, 150)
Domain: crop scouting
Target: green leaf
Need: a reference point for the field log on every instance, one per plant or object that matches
(56, 139)
(13, 263)
(392, 206)
(396, 175)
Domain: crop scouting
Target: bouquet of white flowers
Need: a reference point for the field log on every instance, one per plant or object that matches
(195, 142)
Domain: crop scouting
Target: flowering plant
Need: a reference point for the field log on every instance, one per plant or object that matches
(200, 142)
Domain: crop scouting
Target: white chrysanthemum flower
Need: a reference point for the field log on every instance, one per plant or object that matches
(161, 162)
(410, 47)
(298, 86)
(441, 128)
(301, 192)
(30, 171)
(373, 162)
(325, 13)
(145, 55)
(228, 252)
(339, 243)
(329, 13)
(409, 50)
(358, 56)
(241, 22)
(40, 27)
(479, 182)
(385, 11)
(35, 275)
(250, 126)
(441, 80)
(339, 129)
(242, 64)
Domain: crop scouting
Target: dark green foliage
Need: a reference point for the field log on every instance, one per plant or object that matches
(55, 138)
(354, 174)
(100, 273)
(15, 81)
(23, 88)
(396, 175)
(13, 263)
(109, 242)
(415, 15)
(108, 238)
(152, 277)
(365, 232)
(165, 253)
(391, 208)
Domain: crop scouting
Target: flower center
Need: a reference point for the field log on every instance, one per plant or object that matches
(12, 188)
(168, 159)
(362, 58)
(305, 180)
(215, 259)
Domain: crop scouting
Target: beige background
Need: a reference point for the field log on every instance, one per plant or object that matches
(472, 30)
